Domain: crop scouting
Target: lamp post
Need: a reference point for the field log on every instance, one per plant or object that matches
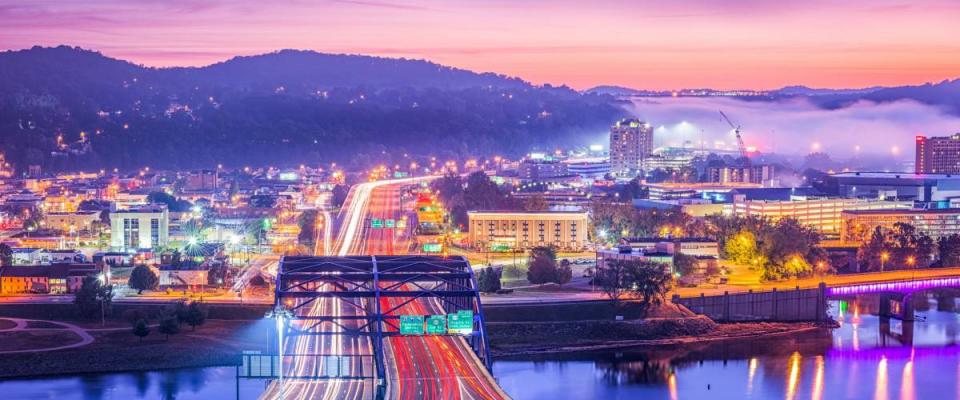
(884, 256)
(103, 314)
(281, 315)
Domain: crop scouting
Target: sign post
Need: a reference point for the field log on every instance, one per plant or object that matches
(411, 325)
(436, 325)
(460, 323)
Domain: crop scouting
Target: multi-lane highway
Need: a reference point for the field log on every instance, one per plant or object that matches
(429, 367)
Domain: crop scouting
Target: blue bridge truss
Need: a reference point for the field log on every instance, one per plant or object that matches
(360, 282)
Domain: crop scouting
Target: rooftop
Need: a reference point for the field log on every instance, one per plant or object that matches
(894, 175)
(911, 211)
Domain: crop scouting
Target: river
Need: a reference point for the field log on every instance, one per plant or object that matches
(863, 358)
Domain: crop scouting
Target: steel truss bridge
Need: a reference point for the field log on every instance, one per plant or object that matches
(374, 289)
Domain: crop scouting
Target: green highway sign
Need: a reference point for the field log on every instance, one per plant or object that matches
(460, 323)
(390, 223)
(436, 325)
(376, 223)
(411, 325)
(432, 247)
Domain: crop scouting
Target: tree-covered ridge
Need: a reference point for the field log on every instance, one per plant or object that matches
(71, 108)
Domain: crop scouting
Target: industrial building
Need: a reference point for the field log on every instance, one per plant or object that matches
(900, 185)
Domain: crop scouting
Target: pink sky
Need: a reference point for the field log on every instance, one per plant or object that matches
(656, 44)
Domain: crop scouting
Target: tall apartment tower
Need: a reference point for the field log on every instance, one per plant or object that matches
(631, 142)
(938, 155)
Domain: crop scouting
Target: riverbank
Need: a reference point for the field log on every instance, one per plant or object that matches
(591, 326)
(115, 349)
(513, 339)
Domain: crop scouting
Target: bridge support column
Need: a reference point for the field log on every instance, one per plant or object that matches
(885, 311)
(906, 308)
(821, 312)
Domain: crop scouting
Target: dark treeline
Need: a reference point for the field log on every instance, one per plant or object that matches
(281, 108)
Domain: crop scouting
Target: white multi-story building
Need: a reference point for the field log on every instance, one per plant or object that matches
(518, 230)
(822, 213)
(631, 142)
(137, 228)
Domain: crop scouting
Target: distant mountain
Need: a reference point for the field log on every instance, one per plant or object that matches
(286, 107)
(799, 90)
(945, 94)
(623, 91)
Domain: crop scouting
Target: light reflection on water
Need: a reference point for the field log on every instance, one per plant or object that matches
(865, 358)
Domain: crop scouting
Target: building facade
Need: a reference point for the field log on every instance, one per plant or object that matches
(820, 213)
(938, 155)
(535, 170)
(747, 174)
(901, 185)
(858, 225)
(518, 230)
(631, 142)
(139, 228)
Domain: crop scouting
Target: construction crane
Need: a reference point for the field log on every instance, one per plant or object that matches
(736, 130)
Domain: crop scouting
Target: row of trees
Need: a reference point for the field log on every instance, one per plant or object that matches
(903, 246)
(781, 249)
(477, 192)
(640, 279)
(170, 320)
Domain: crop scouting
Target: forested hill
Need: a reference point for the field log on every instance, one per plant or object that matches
(66, 107)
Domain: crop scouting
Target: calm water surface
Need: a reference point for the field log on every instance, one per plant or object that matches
(865, 358)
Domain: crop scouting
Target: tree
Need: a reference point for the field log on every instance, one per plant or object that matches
(308, 225)
(541, 270)
(173, 203)
(6, 255)
(742, 248)
(536, 203)
(488, 280)
(684, 264)
(142, 278)
(542, 265)
(564, 272)
(93, 297)
(339, 195)
(610, 276)
(196, 314)
(949, 249)
(648, 281)
(169, 323)
(141, 329)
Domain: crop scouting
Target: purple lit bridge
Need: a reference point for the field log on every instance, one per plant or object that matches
(810, 304)
(899, 286)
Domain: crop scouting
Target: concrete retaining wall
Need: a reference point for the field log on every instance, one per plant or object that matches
(785, 305)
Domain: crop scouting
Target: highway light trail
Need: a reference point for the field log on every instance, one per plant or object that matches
(429, 367)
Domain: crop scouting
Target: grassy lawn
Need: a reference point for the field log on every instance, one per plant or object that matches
(26, 340)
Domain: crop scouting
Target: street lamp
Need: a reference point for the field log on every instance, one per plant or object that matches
(884, 256)
(281, 315)
(103, 280)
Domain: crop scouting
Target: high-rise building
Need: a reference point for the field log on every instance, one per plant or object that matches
(749, 174)
(631, 142)
(938, 155)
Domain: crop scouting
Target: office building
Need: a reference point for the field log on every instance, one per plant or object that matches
(821, 213)
(758, 174)
(858, 225)
(518, 230)
(590, 168)
(938, 155)
(631, 142)
(138, 228)
(541, 169)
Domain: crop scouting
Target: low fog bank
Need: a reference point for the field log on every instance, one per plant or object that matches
(796, 126)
